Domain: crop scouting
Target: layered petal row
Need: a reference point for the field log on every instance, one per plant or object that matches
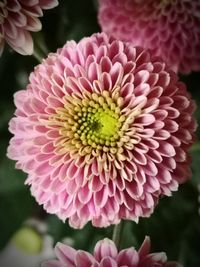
(106, 254)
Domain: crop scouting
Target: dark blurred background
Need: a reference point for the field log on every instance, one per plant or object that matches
(175, 225)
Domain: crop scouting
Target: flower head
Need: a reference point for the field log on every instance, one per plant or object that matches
(106, 254)
(103, 129)
(170, 28)
(17, 18)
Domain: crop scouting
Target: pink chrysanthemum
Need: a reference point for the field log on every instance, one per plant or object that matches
(170, 28)
(103, 129)
(17, 18)
(106, 255)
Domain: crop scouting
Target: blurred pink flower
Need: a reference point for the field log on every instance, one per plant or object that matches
(17, 18)
(106, 255)
(103, 129)
(170, 28)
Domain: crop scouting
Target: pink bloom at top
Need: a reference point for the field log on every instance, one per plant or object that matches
(102, 129)
(106, 255)
(170, 28)
(17, 19)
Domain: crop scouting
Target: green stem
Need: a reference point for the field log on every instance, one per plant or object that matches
(195, 147)
(38, 55)
(40, 50)
(42, 46)
(117, 233)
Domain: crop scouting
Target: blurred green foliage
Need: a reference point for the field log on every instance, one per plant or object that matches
(175, 225)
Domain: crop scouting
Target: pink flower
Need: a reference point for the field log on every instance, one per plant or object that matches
(17, 18)
(106, 255)
(103, 129)
(170, 28)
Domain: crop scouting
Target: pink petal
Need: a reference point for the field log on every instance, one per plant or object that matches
(105, 248)
(65, 254)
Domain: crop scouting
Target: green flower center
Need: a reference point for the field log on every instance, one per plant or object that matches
(97, 126)
(106, 124)
(96, 122)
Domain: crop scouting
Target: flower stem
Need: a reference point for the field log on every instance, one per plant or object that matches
(117, 233)
(38, 55)
(40, 49)
(195, 147)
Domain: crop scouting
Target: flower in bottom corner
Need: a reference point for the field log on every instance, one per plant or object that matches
(103, 130)
(17, 19)
(106, 255)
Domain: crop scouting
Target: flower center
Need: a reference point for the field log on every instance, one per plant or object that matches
(96, 121)
(92, 123)
(97, 125)
(106, 124)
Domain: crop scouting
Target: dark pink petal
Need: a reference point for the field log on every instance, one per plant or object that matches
(145, 247)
